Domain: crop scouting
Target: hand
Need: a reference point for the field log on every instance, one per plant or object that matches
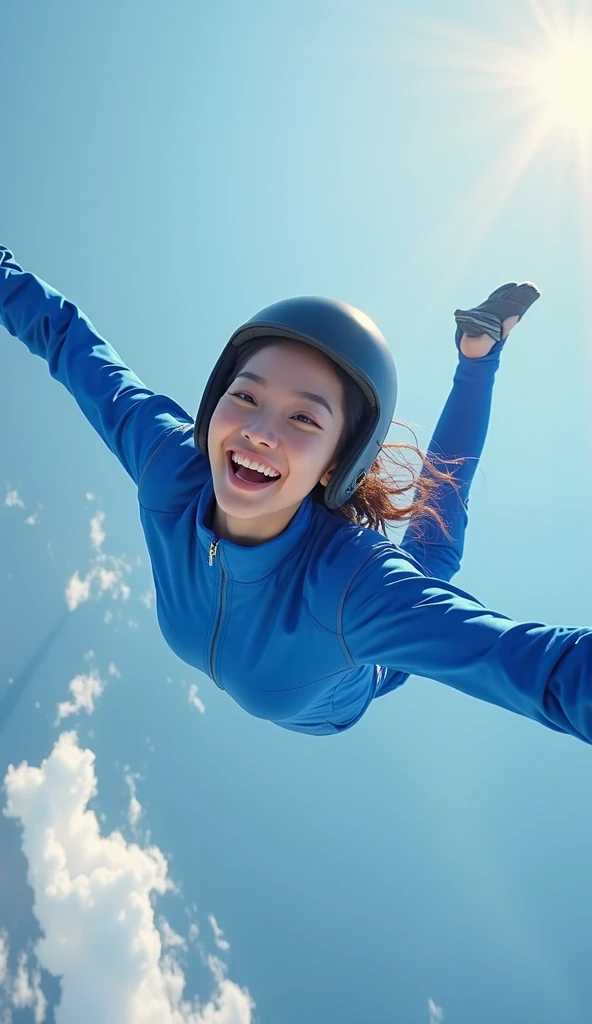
(474, 348)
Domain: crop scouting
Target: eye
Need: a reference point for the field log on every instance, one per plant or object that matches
(244, 397)
(305, 417)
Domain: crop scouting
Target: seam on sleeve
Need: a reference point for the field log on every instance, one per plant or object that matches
(372, 554)
(159, 447)
(342, 600)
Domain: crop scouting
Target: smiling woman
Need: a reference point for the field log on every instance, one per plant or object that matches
(308, 619)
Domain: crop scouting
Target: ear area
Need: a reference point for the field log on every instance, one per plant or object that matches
(327, 475)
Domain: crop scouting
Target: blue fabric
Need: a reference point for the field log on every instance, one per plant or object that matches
(306, 629)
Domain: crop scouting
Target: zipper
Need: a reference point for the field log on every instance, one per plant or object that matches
(213, 551)
(211, 556)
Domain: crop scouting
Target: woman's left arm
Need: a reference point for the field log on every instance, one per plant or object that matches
(394, 616)
(460, 432)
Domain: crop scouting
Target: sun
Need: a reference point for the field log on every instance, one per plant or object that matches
(561, 82)
(529, 91)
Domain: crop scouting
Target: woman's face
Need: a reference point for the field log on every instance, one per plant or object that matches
(271, 420)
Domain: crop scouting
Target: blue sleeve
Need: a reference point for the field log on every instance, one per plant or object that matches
(460, 431)
(132, 420)
(395, 617)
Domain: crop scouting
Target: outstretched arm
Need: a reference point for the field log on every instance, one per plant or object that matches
(132, 420)
(462, 427)
(396, 617)
(460, 432)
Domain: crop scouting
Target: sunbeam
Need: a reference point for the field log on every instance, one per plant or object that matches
(534, 73)
(12, 694)
(561, 82)
(542, 69)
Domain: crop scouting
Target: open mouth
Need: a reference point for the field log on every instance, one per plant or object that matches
(248, 479)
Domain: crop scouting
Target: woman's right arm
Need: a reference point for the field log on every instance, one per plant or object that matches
(132, 420)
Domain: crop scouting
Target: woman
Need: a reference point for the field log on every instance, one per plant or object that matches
(262, 516)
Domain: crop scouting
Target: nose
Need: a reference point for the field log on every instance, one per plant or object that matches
(259, 434)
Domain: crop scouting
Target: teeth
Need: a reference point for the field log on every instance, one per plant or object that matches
(249, 464)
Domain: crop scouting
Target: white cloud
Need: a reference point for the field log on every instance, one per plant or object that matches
(26, 991)
(218, 933)
(111, 579)
(12, 500)
(171, 938)
(93, 899)
(113, 670)
(194, 700)
(134, 809)
(3, 956)
(97, 533)
(107, 571)
(84, 689)
(436, 1012)
(107, 578)
(77, 590)
(21, 990)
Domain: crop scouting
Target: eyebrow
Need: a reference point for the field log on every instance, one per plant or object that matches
(302, 394)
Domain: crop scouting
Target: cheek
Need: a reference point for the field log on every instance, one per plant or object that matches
(308, 456)
(221, 422)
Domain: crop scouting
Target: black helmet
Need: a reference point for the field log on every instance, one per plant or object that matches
(345, 335)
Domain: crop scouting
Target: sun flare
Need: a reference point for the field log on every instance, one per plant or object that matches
(562, 82)
(526, 106)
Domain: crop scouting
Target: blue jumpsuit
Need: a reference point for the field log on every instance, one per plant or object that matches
(306, 629)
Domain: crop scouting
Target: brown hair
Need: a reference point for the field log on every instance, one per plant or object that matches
(372, 503)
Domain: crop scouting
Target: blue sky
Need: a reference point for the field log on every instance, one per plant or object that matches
(172, 168)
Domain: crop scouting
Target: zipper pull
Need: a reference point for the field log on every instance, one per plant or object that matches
(213, 551)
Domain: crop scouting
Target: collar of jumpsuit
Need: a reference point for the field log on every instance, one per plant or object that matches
(249, 564)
